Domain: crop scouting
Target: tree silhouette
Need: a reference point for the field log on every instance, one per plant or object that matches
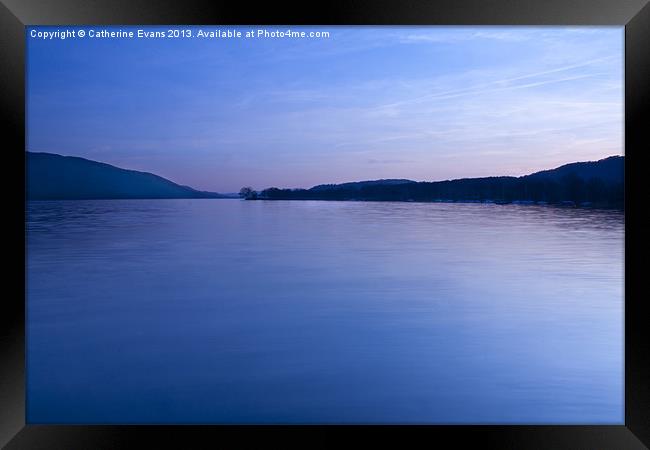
(247, 193)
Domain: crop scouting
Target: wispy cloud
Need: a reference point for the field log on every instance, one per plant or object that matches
(502, 84)
(456, 36)
(389, 161)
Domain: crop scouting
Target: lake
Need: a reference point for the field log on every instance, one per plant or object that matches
(231, 311)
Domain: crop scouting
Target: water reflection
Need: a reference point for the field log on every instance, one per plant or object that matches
(203, 311)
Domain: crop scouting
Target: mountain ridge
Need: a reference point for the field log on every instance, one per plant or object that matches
(541, 173)
(51, 176)
(587, 183)
(56, 177)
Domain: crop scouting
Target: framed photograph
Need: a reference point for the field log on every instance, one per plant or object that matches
(405, 220)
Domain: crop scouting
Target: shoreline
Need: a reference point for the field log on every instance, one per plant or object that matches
(567, 204)
(563, 205)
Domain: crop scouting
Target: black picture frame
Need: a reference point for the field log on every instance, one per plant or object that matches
(15, 15)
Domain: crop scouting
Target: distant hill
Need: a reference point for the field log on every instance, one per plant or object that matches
(359, 184)
(609, 170)
(593, 183)
(55, 177)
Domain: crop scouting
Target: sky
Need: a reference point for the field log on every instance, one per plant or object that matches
(423, 103)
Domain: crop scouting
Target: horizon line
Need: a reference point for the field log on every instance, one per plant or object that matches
(328, 184)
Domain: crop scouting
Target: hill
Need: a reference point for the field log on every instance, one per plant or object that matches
(56, 177)
(610, 169)
(591, 183)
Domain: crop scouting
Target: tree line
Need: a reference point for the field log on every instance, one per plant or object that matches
(568, 189)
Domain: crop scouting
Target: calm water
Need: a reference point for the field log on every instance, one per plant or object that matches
(199, 311)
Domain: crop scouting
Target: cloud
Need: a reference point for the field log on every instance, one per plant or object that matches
(461, 35)
(484, 87)
(389, 161)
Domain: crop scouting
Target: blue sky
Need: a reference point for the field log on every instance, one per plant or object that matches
(424, 103)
